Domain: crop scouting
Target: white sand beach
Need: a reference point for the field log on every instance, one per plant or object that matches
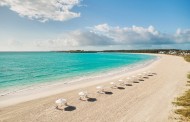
(147, 101)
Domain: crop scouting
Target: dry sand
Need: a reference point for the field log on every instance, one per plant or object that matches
(146, 101)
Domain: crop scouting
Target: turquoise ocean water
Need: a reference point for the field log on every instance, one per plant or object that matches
(27, 68)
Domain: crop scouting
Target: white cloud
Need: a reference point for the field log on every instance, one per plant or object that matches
(132, 35)
(108, 37)
(141, 35)
(182, 36)
(77, 38)
(102, 27)
(105, 35)
(43, 10)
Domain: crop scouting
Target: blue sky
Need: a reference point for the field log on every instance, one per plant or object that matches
(94, 24)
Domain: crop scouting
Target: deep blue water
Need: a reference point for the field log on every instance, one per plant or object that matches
(25, 68)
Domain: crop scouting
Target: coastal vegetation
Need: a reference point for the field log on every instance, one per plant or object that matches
(187, 58)
(183, 104)
(161, 51)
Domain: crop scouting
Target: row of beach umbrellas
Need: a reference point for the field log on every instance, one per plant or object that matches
(83, 95)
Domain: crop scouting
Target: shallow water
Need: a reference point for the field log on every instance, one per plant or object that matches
(27, 68)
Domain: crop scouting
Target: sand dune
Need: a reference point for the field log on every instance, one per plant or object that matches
(146, 101)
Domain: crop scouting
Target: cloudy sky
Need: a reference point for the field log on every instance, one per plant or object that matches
(40, 25)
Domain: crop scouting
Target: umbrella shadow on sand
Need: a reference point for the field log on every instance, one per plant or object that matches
(141, 80)
(70, 108)
(67, 108)
(91, 99)
(120, 88)
(146, 77)
(129, 84)
(135, 82)
(108, 92)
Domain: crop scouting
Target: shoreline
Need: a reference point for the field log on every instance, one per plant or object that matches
(149, 100)
(47, 89)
